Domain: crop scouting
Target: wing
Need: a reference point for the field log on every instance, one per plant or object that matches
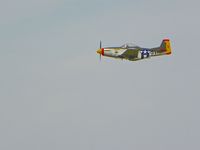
(131, 54)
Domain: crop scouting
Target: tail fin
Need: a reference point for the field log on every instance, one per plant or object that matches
(166, 46)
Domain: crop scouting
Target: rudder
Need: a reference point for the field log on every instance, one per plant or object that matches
(166, 46)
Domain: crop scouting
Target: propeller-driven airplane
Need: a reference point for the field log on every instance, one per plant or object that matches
(132, 52)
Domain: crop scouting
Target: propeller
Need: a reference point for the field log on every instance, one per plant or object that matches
(100, 46)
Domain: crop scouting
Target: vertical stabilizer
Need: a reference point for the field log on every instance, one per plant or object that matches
(166, 46)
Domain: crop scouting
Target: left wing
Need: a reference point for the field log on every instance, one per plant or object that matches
(131, 54)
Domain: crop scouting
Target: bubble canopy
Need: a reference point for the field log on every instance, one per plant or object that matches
(129, 45)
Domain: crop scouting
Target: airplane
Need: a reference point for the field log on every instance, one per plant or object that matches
(133, 53)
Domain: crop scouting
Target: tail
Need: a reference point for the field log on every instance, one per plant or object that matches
(166, 46)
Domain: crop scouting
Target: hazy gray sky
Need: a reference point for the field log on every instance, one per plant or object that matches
(55, 94)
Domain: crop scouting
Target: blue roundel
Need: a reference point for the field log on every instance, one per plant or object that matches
(145, 51)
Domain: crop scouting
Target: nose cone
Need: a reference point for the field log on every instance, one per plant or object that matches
(99, 51)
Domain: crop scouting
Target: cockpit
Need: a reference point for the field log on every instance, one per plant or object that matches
(129, 45)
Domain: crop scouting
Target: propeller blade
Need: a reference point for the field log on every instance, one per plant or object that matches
(100, 44)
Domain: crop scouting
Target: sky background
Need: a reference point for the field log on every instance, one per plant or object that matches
(55, 94)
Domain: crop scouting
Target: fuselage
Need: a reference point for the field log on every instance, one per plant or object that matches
(136, 53)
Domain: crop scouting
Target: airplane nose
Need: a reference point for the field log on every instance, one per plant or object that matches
(100, 51)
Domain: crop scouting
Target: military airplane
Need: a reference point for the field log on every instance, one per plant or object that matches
(132, 52)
